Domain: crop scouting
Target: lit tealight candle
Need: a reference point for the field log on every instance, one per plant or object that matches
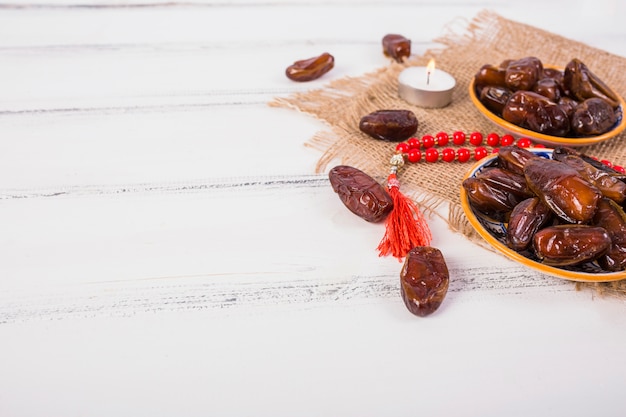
(426, 86)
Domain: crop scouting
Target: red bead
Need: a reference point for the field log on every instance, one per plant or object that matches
(432, 155)
(414, 155)
(402, 147)
(606, 162)
(428, 141)
(447, 154)
(463, 154)
(539, 145)
(413, 142)
(524, 143)
(442, 138)
(476, 138)
(495, 150)
(507, 140)
(479, 153)
(619, 168)
(458, 138)
(493, 139)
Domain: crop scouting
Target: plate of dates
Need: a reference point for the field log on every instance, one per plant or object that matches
(556, 106)
(556, 211)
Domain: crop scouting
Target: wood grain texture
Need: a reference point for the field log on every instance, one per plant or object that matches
(167, 248)
(288, 281)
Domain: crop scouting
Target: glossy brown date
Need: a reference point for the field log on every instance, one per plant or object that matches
(559, 151)
(568, 105)
(424, 280)
(549, 88)
(522, 74)
(397, 47)
(563, 189)
(506, 180)
(495, 98)
(610, 186)
(593, 116)
(389, 125)
(360, 193)
(489, 198)
(526, 219)
(570, 244)
(514, 158)
(553, 73)
(537, 113)
(310, 69)
(583, 84)
(490, 75)
(612, 218)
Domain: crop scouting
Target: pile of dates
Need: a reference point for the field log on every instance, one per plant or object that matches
(565, 212)
(573, 102)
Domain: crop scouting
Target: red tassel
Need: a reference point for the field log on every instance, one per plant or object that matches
(406, 227)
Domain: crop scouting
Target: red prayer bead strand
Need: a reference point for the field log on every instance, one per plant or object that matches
(411, 148)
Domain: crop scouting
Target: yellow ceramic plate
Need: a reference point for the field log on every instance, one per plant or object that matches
(494, 233)
(548, 140)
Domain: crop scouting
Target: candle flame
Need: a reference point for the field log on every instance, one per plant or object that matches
(431, 65)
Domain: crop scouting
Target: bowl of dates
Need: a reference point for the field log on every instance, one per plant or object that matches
(556, 211)
(568, 106)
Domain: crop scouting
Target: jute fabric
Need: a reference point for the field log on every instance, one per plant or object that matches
(465, 45)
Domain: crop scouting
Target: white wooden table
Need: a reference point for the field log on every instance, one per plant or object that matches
(168, 250)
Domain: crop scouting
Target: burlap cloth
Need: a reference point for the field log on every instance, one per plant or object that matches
(465, 46)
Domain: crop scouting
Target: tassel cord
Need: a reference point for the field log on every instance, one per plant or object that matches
(405, 226)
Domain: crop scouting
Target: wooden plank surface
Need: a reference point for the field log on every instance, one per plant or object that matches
(168, 249)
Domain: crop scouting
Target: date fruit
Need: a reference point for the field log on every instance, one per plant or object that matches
(522, 74)
(610, 186)
(568, 105)
(582, 84)
(489, 75)
(560, 151)
(570, 244)
(424, 280)
(553, 73)
(360, 193)
(537, 113)
(611, 217)
(495, 98)
(489, 198)
(526, 219)
(549, 88)
(593, 116)
(506, 180)
(563, 189)
(397, 47)
(514, 158)
(389, 125)
(310, 69)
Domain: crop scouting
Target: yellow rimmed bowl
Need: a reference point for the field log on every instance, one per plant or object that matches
(548, 140)
(493, 232)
